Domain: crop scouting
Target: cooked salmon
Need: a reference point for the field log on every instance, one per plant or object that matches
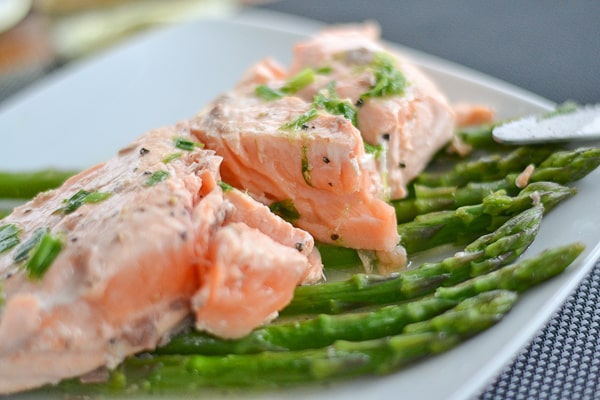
(155, 240)
(335, 148)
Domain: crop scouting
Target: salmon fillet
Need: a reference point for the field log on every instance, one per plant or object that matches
(334, 171)
(160, 241)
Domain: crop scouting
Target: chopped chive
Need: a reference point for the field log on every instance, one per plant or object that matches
(299, 81)
(306, 167)
(389, 81)
(297, 123)
(171, 157)
(226, 187)
(293, 85)
(376, 150)
(185, 144)
(285, 209)
(157, 177)
(9, 236)
(324, 70)
(266, 93)
(22, 252)
(80, 198)
(336, 106)
(42, 256)
(96, 197)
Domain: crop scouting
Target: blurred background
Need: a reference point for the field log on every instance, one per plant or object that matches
(551, 48)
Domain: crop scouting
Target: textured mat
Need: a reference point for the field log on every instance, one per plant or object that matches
(561, 362)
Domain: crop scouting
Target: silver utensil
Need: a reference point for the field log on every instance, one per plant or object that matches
(570, 124)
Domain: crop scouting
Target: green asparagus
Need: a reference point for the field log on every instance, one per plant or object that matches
(484, 254)
(560, 167)
(487, 168)
(517, 277)
(25, 185)
(342, 359)
(466, 223)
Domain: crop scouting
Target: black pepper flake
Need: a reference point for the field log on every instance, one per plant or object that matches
(326, 160)
(27, 211)
(74, 239)
(183, 235)
(299, 246)
(335, 236)
(401, 164)
(359, 102)
(147, 173)
(304, 127)
(144, 151)
(330, 184)
(386, 136)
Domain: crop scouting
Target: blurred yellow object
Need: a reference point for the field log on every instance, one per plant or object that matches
(89, 29)
(12, 12)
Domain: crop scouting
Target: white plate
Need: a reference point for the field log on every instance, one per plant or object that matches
(84, 113)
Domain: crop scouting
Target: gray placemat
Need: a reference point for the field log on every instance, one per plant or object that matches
(562, 361)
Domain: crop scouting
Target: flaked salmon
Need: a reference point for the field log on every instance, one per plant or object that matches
(133, 248)
(330, 140)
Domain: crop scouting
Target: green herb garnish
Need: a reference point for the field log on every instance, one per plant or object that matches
(306, 167)
(285, 209)
(157, 177)
(226, 187)
(171, 157)
(82, 197)
(42, 255)
(300, 122)
(328, 102)
(22, 252)
(376, 150)
(389, 81)
(185, 144)
(9, 236)
(268, 93)
(293, 85)
(324, 70)
(336, 106)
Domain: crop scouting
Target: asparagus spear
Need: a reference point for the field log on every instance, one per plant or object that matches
(560, 167)
(467, 222)
(25, 185)
(316, 332)
(490, 167)
(484, 254)
(342, 359)
(517, 277)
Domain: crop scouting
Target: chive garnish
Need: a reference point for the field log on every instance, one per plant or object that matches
(185, 144)
(226, 187)
(82, 197)
(9, 236)
(285, 209)
(157, 177)
(376, 150)
(42, 255)
(334, 105)
(267, 93)
(171, 157)
(389, 81)
(306, 167)
(22, 252)
(324, 70)
(292, 85)
(297, 123)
